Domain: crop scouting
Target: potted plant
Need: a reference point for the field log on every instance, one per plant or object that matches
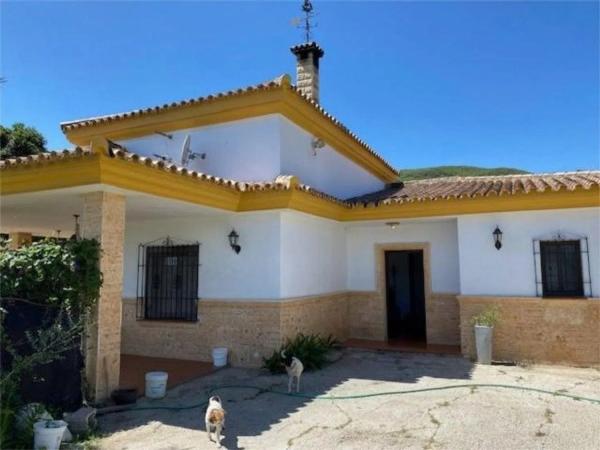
(484, 327)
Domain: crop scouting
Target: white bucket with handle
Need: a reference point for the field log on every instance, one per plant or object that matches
(48, 434)
(156, 384)
(219, 356)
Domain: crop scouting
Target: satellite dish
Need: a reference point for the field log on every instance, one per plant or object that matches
(185, 151)
(187, 154)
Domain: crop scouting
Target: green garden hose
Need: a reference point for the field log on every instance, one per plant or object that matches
(358, 396)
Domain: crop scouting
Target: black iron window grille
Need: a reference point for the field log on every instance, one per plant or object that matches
(167, 283)
(562, 266)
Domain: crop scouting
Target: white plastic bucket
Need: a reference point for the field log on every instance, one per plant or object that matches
(219, 356)
(156, 384)
(48, 434)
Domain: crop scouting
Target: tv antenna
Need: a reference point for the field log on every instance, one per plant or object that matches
(306, 22)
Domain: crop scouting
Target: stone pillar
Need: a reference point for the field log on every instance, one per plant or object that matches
(103, 219)
(19, 239)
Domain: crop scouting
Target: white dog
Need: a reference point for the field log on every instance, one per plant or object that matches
(294, 368)
(215, 418)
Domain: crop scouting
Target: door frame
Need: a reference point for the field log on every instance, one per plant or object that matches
(380, 276)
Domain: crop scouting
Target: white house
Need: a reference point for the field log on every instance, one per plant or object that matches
(242, 218)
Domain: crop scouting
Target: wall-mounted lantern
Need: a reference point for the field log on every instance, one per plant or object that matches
(497, 238)
(233, 241)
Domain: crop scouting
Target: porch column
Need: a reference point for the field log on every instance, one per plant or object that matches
(103, 219)
(18, 239)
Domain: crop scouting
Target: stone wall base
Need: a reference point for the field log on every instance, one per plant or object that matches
(536, 329)
(250, 330)
(531, 329)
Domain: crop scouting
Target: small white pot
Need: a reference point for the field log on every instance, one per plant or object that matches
(48, 434)
(483, 343)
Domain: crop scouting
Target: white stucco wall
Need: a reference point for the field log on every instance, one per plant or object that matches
(510, 270)
(313, 255)
(243, 150)
(442, 236)
(328, 170)
(251, 274)
(260, 149)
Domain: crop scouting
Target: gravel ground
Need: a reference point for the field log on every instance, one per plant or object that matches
(464, 418)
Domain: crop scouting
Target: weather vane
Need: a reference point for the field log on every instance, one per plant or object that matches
(306, 22)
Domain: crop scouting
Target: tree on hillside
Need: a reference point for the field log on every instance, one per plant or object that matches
(20, 140)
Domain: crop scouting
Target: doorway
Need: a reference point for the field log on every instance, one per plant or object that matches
(405, 295)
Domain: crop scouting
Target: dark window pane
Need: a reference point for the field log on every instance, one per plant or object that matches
(171, 288)
(561, 268)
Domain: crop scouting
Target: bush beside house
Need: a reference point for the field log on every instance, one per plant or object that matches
(47, 291)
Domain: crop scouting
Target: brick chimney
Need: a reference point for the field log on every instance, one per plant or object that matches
(307, 69)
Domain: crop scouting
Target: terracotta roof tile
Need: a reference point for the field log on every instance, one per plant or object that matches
(56, 155)
(279, 82)
(80, 123)
(396, 193)
(469, 187)
(281, 183)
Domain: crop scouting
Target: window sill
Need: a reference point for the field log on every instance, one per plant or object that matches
(167, 323)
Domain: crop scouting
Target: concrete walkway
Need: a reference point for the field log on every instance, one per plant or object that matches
(478, 418)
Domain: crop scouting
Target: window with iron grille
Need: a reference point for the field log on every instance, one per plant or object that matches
(562, 267)
(168, 280)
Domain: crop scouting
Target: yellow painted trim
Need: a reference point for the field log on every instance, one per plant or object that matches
(276, 100)
(50, 175)
(209, 112)
(101, 169)
(579, 198)
(306, 117)
(136, 177)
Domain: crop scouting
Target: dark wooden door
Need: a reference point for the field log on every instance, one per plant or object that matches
(405, 283)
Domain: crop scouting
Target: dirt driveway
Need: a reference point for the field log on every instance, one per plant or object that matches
(463, 418)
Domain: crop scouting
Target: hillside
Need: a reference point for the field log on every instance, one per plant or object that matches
(452, 171)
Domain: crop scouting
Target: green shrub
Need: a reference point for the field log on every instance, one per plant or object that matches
(65, 275)
(310, 349)
(487, 318)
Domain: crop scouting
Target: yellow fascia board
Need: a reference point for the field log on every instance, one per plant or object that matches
(101, 169)
(580, 198)
(282, 100)
(209, 112)
(305, 116)
(51, 175)
(136, 177)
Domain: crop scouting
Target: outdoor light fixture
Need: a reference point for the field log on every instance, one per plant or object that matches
(497, 238)
(233, 241)
(392, 225)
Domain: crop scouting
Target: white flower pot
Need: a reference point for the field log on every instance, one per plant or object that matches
(48, 434)
(483, 343)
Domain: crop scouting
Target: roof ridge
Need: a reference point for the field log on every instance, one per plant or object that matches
(507, 176)
(280, 80)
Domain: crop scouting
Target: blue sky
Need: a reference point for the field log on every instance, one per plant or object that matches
(424, 83)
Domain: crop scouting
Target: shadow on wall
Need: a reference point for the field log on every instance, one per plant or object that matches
(251, 412)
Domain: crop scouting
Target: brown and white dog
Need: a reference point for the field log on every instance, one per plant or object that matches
(294, 369)
(215, 418)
